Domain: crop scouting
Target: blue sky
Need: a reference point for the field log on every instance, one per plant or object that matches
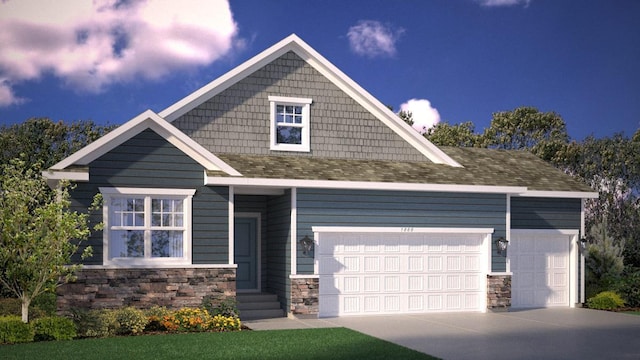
(458, 60)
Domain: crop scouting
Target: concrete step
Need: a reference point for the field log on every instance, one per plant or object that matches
(260, 314)
(258, 306)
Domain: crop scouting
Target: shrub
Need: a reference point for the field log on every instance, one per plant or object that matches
(629, 287)
(606, 300)
(54, 328)
(225, 323)
(192, 319)
(604, 262)
(226, 307)
(13, 330)
(10, 306)
(95, 323)
(131, 321)
(45, 304)
(155, 318)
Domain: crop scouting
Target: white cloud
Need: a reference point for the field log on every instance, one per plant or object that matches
(495, 3)
(7, 97)
(92, 44)
(372, 38)
(425, 116)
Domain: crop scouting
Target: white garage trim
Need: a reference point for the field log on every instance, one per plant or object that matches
(386, 269)
(573, 265)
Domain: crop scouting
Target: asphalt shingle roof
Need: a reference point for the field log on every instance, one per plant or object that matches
(480, 167)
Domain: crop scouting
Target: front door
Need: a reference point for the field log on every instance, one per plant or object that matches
(246, 253)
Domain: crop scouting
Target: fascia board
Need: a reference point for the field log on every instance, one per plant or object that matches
(361, 185)
(146, 120)
(559, 194)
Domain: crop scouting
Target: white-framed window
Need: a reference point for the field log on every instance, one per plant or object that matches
(144, 226)
(290, 123)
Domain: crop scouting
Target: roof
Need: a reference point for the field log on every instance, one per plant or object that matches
(517, 172)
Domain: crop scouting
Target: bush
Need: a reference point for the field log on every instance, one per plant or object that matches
(604, 261)
(13, 330)
(629, 287)
(226, 307)
(10, 306)
(192, 319)
(54, 328)
(131, 321)
(41, 306)
(95, 323)
(155, 318)
(606, 300)
(225, 323)
(45, 304)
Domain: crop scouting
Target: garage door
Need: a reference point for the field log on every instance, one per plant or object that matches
(540, 264)
(388, 273)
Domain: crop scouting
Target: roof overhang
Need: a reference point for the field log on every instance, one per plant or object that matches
(331, 72)
(264, 183)
(559, 194)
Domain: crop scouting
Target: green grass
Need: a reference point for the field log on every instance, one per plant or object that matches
(632, 312)
(333, 343)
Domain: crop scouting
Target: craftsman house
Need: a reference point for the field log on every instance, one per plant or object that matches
(285, 177)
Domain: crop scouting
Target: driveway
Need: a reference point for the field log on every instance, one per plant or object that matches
(528, 334)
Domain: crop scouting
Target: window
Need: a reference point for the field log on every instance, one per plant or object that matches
(145, 226)
(290, 123)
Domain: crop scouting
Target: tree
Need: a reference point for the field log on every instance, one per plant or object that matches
(444, 134)
(605, 260)
(406, 116)
(38, 233)
(526, 128)
(46, 141)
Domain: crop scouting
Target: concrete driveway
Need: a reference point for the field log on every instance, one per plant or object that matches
(528, 334)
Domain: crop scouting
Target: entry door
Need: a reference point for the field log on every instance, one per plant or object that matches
(246, 253)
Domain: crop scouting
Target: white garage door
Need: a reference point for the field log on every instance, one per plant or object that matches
(388, 273)
(540, 264)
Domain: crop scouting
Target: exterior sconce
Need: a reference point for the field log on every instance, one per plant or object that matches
(307, 244)
(583, 244)
(501, 244)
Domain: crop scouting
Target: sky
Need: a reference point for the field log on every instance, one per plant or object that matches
(444, 60)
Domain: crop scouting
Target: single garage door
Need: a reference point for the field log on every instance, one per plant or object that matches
(390, 273)
(541, 267)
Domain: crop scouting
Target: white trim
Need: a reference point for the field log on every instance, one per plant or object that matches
(231, 225)
(162, 266)
(303, 276)
(507, 234)
(146, 191)
(558, 194)
(582, 257)
(361, 185)
(187, 244)
(326, 68)
(377, 229)
(497, 273)
(294, 231)
(66, 175)
(258, 217)
(146, 120)
(305, 126)
(573, 255)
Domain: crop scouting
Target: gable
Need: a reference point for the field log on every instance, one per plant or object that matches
(237, 120)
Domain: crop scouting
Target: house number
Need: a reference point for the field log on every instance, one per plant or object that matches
(406, 229)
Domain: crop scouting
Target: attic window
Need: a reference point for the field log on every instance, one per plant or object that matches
(290, 123)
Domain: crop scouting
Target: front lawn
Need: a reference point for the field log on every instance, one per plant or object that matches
(332, 343)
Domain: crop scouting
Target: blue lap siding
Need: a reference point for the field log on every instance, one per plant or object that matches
(148, 161)
(545, 213)
(318, 207)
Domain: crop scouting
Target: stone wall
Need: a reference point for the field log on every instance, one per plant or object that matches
(144, 288)
(304, 296)
(498, 292)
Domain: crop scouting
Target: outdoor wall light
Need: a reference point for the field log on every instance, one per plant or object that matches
(501, 244)
(307, 244)
(583, 244)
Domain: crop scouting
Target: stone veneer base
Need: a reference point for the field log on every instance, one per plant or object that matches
(498, 292)
(144, 288)
(304, 296)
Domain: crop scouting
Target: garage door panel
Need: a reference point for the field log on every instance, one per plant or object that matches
(540, 266)
(399, 273)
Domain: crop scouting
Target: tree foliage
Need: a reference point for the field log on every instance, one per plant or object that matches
(43, 140)
(463, 134)
(38, 233)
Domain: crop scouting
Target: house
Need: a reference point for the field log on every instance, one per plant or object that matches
(284, 176)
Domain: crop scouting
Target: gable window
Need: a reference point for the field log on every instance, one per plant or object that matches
(290, 123)
(147, 226)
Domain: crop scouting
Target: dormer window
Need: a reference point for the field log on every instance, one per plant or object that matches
(290, 123)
